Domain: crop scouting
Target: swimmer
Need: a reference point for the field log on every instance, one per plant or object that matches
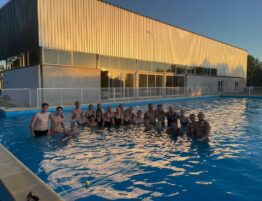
(131, 114)
(57, 121)
(92, 122)
(147, 125)
(73, 126)
(77, 109)
(160, 115)
(108, 118)
(150, 115)
(184, 122)
(90, 111)
(138, 119)
(99, 107)
(191, 126)
(39, 123)
(118, 117)
(83, 121)
(171, 116)
(173, 129)
(99, 118)
(202, 127)
(127, 118)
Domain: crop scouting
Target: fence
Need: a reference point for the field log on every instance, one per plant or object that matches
(67, 96)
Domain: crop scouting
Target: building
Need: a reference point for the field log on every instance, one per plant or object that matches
(93, 44)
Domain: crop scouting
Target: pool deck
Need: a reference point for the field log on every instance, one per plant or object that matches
(18, 180)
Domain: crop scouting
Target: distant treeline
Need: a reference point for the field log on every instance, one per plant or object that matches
(254, 71)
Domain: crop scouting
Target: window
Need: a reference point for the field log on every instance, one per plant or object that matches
(34, 57)
(181, 69)
(169, 82)
(104, 79)
(142, 80)
(84, 60)
(175, 81)
(116, 79)
(220, 86)
(65, 58)
(129, 81)
(159, 81)
(151, 81)
(50, 56)
(236, 86)
(213, 72)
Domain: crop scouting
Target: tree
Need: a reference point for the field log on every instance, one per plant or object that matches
(254, 71)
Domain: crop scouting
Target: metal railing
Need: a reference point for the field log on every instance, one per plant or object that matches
(67, 96)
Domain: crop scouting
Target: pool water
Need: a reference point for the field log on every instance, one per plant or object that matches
(130, 164)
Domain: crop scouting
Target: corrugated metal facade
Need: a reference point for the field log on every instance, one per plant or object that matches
(18, 27)
(96, 27)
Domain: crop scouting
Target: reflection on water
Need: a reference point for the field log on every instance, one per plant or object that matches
(129, 163)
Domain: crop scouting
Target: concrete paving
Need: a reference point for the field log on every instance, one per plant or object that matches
(19, 180)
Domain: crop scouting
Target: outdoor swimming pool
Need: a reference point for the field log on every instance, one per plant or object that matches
(130, 164)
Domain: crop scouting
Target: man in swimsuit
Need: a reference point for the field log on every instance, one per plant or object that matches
(57, 121)
(150, 115)
(202, 127)
(160, 115)
(39, 123)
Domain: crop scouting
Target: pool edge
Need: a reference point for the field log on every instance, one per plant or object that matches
(15, 112)
(20, 180)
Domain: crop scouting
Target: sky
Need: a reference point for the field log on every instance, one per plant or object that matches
(237, 22)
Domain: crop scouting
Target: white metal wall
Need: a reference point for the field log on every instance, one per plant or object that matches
(96, 27)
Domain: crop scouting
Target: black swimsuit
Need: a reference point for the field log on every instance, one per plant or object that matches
(118, 121)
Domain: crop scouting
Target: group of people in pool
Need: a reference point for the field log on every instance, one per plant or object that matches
(98, 118)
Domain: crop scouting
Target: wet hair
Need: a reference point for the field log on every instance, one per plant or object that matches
(59, 108)
(77, 102)
(92, 116)
(45, 104)
(159, 105)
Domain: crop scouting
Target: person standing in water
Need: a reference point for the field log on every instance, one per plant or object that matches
(202, 127)
(150, 115)
(57, 121)
(39, 123)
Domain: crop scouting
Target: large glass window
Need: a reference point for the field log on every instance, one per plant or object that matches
(151, 80)
(116, 79)
(84, 60)
(50, 56)
(213, 72)
(159, 81)
(104, 79)
(169, 81)
(142, 80)
(130, 80)
(34, 57)
(175, 81)
(65, 58)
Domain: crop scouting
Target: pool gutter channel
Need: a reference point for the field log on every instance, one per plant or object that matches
(19, 181)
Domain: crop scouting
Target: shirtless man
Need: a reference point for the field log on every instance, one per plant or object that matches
(202, 127)
(150, 115)
(57, 121)
(39, 123)
(160, 115)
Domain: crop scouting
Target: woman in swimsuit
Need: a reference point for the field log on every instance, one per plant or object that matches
(108, 120)
(90, 112)
(138, 120)
(127, 118)
(99, 117)
(118, 117)
(171, 116)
